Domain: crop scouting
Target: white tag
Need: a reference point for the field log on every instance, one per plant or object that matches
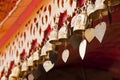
(89, 34)
(65, 55)
(100, 31)
(48, 65)
(82, 48)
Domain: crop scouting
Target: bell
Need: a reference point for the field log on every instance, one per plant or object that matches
(80, 23)
(30, 63)
(43, 51)
(90, 7)
(99, 4)
(24, 66)
(12, 78)
(63, 33)
(4, 78)
(99, 9)
(15, 72)
(36, 57)
(54, 35)
(49, 47)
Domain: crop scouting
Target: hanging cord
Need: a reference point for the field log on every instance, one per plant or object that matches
(66, 44)
(101, 17)
(65, 24)
(83, 37)
(109, 12)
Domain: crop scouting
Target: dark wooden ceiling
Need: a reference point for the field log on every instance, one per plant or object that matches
(5, 7)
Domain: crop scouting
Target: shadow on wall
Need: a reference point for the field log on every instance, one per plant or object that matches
(76, 73)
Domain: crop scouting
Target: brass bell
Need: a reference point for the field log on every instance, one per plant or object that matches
(4, 78)
(30, 62)
(15, 72)
(63, 33)
(80, 22)
(99, 4)
(50, 47)
(11, 77)
(73, 21)
(90, 7)
(24, 67)
(43, 51)
(36, 56)
(47, 48)
(100, 8)
(54, 35)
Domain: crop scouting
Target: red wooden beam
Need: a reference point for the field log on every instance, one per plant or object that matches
(19, 21)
